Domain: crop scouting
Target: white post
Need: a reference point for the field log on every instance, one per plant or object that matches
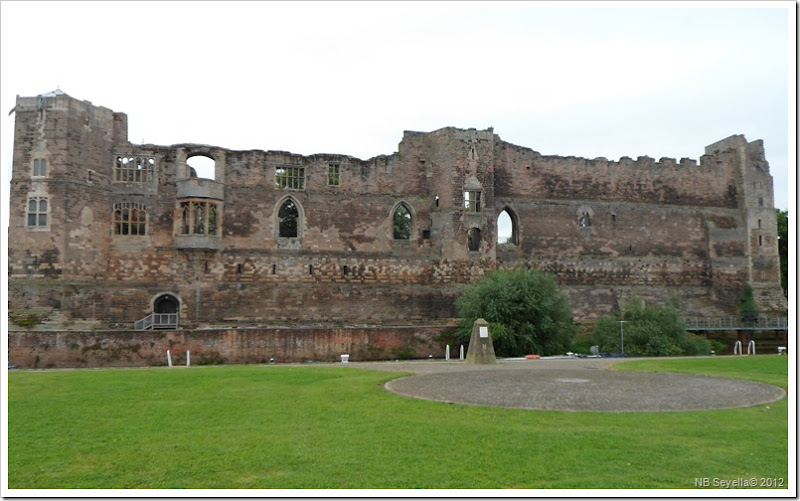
(187, 358)
(737, 346)
(461, 353)
(447, 353)
(751, 344)
(169, 359)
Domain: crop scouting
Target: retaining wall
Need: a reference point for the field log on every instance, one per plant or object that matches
(230, 346)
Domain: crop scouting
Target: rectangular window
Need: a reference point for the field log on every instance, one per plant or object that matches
(37, 212)
(134, 170)
(40, 167)
(292, 178)
(472, 201)
(333, 174)
(130, 218)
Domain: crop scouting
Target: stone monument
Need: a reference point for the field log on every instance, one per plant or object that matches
(481, 349)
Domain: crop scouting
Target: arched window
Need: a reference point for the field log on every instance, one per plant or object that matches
(474, 239)
(201, 166)
(401, 223)
(288, 219)
(507, 228)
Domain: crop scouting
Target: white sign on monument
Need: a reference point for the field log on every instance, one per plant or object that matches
(484, 331)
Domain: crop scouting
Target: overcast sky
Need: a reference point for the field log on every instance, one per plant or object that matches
(627, 79)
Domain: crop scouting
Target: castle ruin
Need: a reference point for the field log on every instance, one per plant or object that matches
(105, 233)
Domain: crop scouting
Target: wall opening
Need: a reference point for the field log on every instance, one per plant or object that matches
(401, 223)
(166, 303)
(201, 166)
(288, 216)
(506, 228)
(474, 239)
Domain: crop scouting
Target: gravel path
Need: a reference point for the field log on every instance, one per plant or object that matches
(572, 384)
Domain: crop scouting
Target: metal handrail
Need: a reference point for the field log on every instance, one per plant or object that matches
(737, 323)
(157, 321)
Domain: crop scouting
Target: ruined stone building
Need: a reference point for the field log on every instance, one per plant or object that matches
(103, 232)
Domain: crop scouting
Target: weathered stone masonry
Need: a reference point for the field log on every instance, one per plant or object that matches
(103, 230)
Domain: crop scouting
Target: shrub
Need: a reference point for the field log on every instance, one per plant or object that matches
(648, 331)
(526, 312)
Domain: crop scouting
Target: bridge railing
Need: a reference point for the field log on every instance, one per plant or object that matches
(737, 323)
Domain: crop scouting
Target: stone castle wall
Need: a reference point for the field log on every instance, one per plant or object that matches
(606, 229)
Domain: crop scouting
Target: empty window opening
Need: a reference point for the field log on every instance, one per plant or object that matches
(760, 240)
(472, 201)
(585, 220)
(333, 174)
(759, 224)
(401, 223)
(613, 219)
(436, 200)
(426, 234)
(506, 228)
(206, 267)
(37, 212)
(40, 167)
(760, 201)
(310, 269)
(474, 239)
(134, 169)
(292, 178)
(239, 268)
(288, 217)
(274, 269)
(201, 166)
(345, 270)
(130, 218)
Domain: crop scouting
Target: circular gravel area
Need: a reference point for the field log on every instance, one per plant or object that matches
(573, 385)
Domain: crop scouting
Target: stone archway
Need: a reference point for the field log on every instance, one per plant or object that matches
(166, 303)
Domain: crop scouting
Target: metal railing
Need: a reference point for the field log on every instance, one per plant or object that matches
(158, 321)
(737, 323)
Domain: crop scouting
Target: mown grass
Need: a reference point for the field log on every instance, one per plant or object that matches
(334, 427)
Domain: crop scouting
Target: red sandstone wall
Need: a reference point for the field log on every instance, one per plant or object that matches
(233, 346)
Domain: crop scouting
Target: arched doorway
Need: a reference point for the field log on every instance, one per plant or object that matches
(166, 311)
(166, 303)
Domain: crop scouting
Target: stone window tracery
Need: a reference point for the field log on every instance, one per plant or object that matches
(198, 217)
(292, 178)
(134, 169)
(37, 212)
(585, 220)
(130, 218)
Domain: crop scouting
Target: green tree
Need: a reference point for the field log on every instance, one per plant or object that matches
(782, 217)
(747, 305)
(526, 312)
(648, 331)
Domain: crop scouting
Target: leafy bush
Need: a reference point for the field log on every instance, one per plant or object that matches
(648, 331)
(526, 313)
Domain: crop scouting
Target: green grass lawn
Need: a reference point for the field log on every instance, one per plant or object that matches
(321, 427)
